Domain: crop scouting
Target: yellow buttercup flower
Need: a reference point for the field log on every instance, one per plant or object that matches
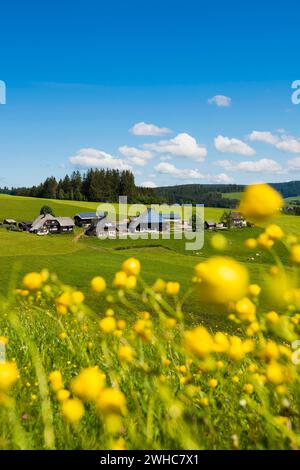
(130, 282)
(270, 351)
(295, 254)
(9, 375)
(172, 288)
(56, 380)
(33, 281)
(131, 266)
(3, 340)
(213, 383)
(111, 400)
(108, 324)
(159, 285)
(274, 373)
(260, 202)
(221, 342)
(274, 231)
(63, 335)
(222, 279)
(72, 410)
(77, 297)
(219, 242)
(62, 395)
(272, 317)
(251, 243)
(88, 384)
(98, 284)
(120, 279)
(254, 290)
(265, 241)
(246, 309)
(248, 388)
(126, 354)
(199, 341)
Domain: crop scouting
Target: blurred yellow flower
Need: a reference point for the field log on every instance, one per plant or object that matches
(72, 410)
(219, 242)
(33, 281)
(77, 297)
(213, 383)
(251, 243)
(274, 231)
(172, 288)
(260, 202)
(111, 400)
(9, 375)
(98, 284)
(120, 279)
(62, 395)
(108, 324)
(223, 279)
(246, 309)
(274, 373)
(88, 384)
(254, 290)
(295, 253)
(265, 241)
(159, 285)
(199, 341)
(126, 354)
(56, 380)
(131, 266)
(130, 282)
(248, 388)
(3, 340)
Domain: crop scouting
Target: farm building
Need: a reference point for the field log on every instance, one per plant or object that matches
(150, 220)
(9, 222)
(84, 219)
(25, 226)
(238, 220)
(210, 225)
(49, 224)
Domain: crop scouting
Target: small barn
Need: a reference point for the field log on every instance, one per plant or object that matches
(238, 220)
(85, 219)
(10, 222)
(25, 226)
(210, 225)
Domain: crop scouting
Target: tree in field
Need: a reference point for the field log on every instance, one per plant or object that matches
(47, 210)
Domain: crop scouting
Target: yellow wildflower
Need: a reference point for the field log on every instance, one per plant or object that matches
(62, 395)
(9, 375)
(274, 373)
(126, 354)
(72, 410)
(260, 202)
(213, 383)
(33, 281)
(98, 284)
(251, 243)
(131, 266)
(88, 384)
(120, 279)
(199, 341)
(274, 231)
(107, 324)
(295, 253)
(111, 400)
(172, 288)
(248, 388)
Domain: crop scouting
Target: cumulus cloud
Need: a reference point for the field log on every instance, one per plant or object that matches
(183, 145)
(225, 144)
(165, 158)
(94, 158)
(220, 100)
(263, 136)
(265, 165)
(135, 156)
(141, 128)
(294, 163)
(148, 184)
(172, 170)
(283, 141)
(222, 178)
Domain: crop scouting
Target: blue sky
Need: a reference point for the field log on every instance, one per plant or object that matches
(178, 91)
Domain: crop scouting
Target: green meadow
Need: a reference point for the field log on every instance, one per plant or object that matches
(77, 258)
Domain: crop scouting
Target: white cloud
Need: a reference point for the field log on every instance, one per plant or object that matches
(183, 145)
(289, 144)
(141, 128)
(222, 178)
(134, 155)
(263, 136)
(165, 158)
(148, 184)
(284, 142)
(172, 170)
(225, 144)
(265, 165)
(220, 100)
(93, 158)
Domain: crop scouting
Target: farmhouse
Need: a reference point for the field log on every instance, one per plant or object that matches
(49, 224)
(85, 219)
(148, 221)
(238, 220)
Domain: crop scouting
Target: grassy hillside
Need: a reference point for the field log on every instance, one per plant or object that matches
(77, 259)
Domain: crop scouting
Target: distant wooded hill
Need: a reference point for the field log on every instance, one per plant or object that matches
(214, 195)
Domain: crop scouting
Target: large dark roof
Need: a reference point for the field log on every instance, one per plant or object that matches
(90, 215)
